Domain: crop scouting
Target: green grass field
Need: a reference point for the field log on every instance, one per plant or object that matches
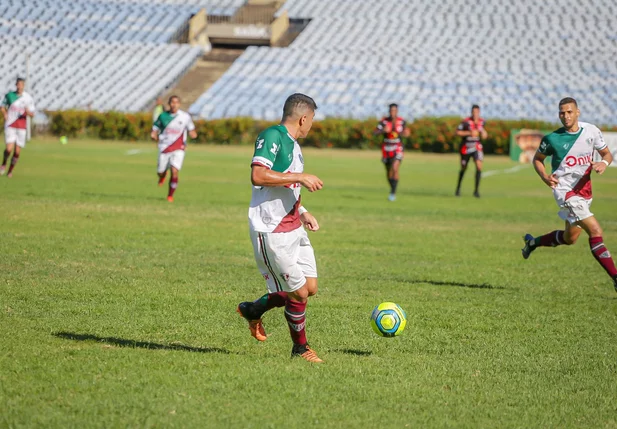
(117, 309)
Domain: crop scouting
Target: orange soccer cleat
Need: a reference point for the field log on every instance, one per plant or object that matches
(170, 199)
(305, 352)
(255, 325)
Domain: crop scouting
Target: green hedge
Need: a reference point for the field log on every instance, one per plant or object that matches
(427, 134)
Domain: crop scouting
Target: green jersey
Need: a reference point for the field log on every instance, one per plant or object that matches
(275, 208)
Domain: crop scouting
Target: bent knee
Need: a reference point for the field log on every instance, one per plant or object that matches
(311, 286)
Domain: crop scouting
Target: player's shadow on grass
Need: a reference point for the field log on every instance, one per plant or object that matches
(121, 342)
(353, 352)
(447, 283)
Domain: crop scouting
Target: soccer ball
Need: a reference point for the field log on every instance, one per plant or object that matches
(388, 319)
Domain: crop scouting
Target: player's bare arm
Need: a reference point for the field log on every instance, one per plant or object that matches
(4, 112)
(607, 159)
(193, 134)
(262, 176)
(309, 221)
(483, 133)
(538, 165)
(154, 135)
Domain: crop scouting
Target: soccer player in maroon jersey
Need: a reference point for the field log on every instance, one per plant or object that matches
(471, 130)
(392, 128)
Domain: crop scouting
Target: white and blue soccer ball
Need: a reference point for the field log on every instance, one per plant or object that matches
(388, 319)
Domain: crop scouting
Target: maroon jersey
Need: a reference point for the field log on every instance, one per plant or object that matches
(392, 145)
(471, 144)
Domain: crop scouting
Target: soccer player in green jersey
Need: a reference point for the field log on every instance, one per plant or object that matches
(170, 130)
(277, 222)
(16, 107)
(571, 148)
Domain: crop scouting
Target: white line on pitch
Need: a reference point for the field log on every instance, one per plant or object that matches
(506, 171)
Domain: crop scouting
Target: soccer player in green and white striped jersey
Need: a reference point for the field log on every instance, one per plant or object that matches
(16, 107)
(170, 131)
(571, 148)
(277, 222)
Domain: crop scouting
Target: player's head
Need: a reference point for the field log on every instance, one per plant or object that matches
(20, 83)
(475, 112)
(393, 110)
(568, 112)
(300, 109)
(174, 103)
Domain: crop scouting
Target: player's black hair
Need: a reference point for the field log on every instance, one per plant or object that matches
(567, 100)
(475, 106)
(393, 105)
(20, 79)
(296, 101)
(172, 97)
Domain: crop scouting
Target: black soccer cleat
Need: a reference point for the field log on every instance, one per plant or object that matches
(529, 246)
(476, 194)
(615, 283)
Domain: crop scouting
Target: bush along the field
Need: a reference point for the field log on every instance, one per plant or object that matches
(427, 134)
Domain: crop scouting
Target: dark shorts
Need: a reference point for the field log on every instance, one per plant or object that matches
(477, 156)
(388, 158)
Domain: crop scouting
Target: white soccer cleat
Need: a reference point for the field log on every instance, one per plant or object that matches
(2, 170)
(392, 197)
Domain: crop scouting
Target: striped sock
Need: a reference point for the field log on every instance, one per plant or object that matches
(268, 302)
(13, 162)
(6, 157)
(602, 255)
(295, 313)
(552, 239)
(173, 184)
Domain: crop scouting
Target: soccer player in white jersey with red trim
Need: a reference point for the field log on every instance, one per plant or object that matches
(277, 220)
(170, 131)
(572, 148)
(16, 107)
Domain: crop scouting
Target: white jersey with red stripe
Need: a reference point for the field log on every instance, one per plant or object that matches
(16, 106)
(173, 129)
(572, 155)
(276, 208)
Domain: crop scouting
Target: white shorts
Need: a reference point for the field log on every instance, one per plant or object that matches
(575, 209)
(285, 259)
(174, 159)
(15, 135)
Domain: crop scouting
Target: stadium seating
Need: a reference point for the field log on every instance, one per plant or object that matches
(95, 75)
(516, 59)
(98, 54)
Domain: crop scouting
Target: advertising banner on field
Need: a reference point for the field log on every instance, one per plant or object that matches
(525, 142)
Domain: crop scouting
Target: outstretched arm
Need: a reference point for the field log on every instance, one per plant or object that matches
(263, 176)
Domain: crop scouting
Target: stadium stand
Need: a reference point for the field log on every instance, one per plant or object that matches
(516, 59)
(86, 20)
(94, 75)
(101, 55)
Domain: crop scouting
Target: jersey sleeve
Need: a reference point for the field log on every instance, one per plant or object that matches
(463, 126)
(267, 147)
(380, 125)
(31, 106)
(190, 124)
(545, 147)
(598, 140)
(157, 125)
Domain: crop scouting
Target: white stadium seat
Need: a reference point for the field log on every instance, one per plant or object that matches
(354, 57)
